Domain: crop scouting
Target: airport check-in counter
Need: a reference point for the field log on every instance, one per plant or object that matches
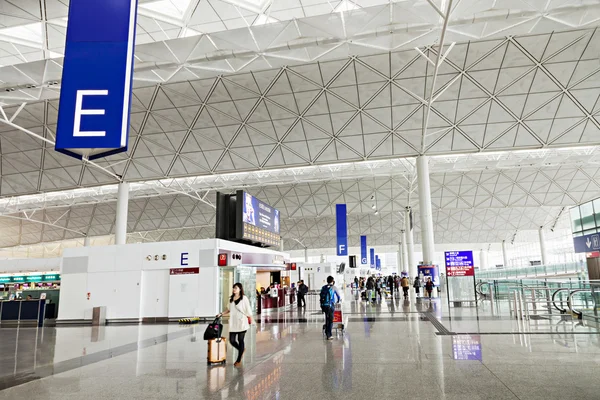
(285, 297)
(23, 311)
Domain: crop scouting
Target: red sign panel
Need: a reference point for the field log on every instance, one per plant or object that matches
(222, 260)
(467, 270)
(593, 254)
(184, 271)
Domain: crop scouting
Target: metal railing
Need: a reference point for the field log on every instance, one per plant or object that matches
(571, 268)
(555, 299)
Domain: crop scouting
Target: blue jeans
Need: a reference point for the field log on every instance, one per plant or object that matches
(328, 320)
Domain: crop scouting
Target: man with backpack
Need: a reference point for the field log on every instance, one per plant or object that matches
(328, 296)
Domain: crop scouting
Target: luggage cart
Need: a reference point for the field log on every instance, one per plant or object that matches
(338, 321)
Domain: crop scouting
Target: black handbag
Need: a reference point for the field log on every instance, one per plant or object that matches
(214, 329)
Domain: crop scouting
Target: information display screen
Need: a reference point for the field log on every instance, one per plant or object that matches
(459, 263)
(258, 222)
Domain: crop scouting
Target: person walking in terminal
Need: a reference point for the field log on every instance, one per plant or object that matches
(302, 291)
(328, 296)
(405, 286)
(239, 321)
(417, 285)
(370, 287)
(390, 285)
(429, 287)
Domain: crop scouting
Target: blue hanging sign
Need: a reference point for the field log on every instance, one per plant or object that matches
(95, 95)
(363, 250)
(587, 243)
(341, 228)
(372, 258)
(377, 263)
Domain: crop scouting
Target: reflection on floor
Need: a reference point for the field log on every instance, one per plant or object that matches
(416, 349)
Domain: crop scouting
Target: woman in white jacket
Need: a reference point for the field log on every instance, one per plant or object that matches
(240, 319)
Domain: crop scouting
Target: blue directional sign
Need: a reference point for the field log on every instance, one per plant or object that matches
(372, 257)
(587, 243)
(341, 228)
(459, 258)
(363, 250)
(459, 263)
(95, 95)
(377, 263)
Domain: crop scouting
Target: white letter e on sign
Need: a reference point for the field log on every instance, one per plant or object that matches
(79, 112)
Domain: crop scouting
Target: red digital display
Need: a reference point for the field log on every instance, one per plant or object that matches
(222, 260)
(293, 266)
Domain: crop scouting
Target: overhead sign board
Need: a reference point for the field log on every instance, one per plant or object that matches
(30, 278)
(341, 228)
(363, 250)
(587, 243)
(95, 95)
(257, 221)
(459, 263)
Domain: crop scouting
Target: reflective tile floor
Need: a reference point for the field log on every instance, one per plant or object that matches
(418, 349)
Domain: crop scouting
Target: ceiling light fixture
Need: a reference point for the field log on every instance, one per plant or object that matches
(373, 206)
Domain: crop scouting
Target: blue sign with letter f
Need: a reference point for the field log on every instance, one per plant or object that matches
(341, 228)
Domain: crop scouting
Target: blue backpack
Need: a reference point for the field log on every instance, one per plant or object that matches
(326, 296)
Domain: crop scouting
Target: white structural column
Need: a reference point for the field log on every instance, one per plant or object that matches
(281, 245)
(306, 254)
(412, 265)
(400, 266)
(504, 255)
(543, 246)
(403, 254)
(482, 260)
(425, 209)
(86, 241)
(122, 207)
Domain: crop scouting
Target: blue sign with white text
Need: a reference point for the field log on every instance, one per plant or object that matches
(95, 94)
(372, 258)
(587, 243)
(363, 250)
(377, 263)
(341, 229)
(459, 258)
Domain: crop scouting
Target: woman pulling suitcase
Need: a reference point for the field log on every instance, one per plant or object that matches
(240, 319)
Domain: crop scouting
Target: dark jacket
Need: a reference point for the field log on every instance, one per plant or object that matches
(370, 285)
(302, 289)
(429, 286)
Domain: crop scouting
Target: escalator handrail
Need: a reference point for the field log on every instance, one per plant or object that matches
(569, 302)
(478, 289)
(562, 310)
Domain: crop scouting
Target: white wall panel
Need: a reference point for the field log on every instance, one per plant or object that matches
(128, 258)
(155, 294)
(73, 300)
(183, 295)
(100, 285)
(125, 302)
(208, 285)
(102, 259)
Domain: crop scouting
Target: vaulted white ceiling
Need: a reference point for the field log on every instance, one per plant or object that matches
(268, 88)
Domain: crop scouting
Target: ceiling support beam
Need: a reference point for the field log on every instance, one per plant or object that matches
(438, 62)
